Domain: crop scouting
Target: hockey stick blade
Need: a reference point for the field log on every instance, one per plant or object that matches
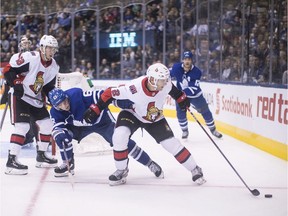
(255, 192)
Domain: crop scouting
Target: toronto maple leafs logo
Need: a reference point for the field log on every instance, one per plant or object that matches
(184, 84)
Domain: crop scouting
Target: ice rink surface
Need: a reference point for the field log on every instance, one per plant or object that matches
(41, 194)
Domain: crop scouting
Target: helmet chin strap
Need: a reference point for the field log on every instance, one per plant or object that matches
(43, 53)
(154, 86)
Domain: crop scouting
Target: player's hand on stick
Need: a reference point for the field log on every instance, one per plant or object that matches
(91, 114)
(183, 102)
(62, 137)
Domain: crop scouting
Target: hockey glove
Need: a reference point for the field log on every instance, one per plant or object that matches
(62, 137)
(123, 104)
(18, 88)
(92, 113)
(183, 102)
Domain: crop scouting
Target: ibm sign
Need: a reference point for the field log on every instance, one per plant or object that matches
(128, 39)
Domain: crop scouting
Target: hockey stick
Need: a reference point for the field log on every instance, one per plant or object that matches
(3, 116)
(68, 166)
(255, 192)
(43, 101)
(34, 98)
(53, 147)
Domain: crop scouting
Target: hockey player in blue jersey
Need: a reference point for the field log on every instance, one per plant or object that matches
(188, 78)
(67, 114)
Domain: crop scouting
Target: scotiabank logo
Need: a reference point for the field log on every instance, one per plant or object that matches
(232, 104)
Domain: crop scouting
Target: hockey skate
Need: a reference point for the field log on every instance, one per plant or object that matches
(156, 169)
(63, 171)
(216, 133)
(197, 176)
(43, 161)
(14, 167)
(118, 177)
(185, 134)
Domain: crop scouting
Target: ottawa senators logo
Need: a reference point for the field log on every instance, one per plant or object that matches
(38, 84)
(153, 113)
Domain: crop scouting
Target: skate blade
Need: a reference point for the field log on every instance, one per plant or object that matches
(45, 165)
(200, 181)
(119, 182)
(66, 174)
(12, 171)
(161, 175)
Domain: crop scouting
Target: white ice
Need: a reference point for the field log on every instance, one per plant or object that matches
(41, 194)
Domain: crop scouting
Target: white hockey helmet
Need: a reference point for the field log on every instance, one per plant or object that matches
(159, 72)
(24, 44)
(48, 41)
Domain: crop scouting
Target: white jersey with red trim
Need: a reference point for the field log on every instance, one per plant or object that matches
(35, 74)
(148, 106)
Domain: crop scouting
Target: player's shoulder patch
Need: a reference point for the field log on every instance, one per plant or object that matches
(33, 53)
(30, 54)
(133, 89)
(19, 59)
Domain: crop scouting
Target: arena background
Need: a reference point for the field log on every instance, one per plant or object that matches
(118, 40)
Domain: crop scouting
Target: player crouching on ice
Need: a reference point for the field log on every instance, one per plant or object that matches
(67, 113)
(148, 93)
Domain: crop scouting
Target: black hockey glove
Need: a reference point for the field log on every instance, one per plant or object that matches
(183, 102)
(92, 113)
(123, 104)
(18, 88)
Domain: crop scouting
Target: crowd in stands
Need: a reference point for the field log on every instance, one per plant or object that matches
(264, 50)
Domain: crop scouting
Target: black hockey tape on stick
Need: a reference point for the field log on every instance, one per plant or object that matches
(3, 116)
(255, 192)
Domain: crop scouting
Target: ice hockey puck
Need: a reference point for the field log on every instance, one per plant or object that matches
(268, 195)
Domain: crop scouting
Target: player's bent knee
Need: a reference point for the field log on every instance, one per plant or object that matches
(22, 128)
(120, 138)
(172, 145)
(45, 125)
(203, 109)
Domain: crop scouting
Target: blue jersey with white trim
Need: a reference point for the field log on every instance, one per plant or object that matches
(189, 81)
(80, 101)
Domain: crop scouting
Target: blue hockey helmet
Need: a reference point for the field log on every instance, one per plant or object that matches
(187, 54)
(57, 96)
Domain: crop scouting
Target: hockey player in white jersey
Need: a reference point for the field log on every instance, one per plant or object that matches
(31, 75)
(148, 94)
(67, 114)
(23, 46)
